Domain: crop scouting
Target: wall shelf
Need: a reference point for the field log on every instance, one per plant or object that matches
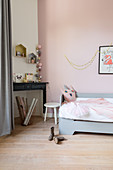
(32, 58)
(20, 51)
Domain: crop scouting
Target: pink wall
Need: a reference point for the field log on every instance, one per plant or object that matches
(75, 28)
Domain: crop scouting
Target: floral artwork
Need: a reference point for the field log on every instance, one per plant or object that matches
(106, 60)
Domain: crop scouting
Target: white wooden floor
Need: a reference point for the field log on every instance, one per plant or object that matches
(28, 148)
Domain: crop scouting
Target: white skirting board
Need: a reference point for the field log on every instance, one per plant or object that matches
(51, 115)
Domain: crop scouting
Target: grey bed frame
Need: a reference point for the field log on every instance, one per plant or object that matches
(70, 126)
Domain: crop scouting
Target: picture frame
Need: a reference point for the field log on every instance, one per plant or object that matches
(105, 59)
(18, 77)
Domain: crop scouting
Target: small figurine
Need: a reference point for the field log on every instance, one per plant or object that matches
(32, 60)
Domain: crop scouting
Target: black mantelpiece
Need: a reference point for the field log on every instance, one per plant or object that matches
(32, 86)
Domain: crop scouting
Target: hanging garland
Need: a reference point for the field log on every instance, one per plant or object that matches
(84, 66)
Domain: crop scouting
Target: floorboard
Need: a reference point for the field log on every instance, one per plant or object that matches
(28, 148)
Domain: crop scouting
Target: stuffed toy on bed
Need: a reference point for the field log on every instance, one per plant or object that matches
(69, 93)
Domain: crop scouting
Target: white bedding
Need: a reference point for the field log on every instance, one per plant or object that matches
(68, 111)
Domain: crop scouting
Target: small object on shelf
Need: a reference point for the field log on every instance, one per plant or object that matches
(28, 77)
(23, 54)
(24, 80)
(20, 50)
(32, 58)
(19, 77)
(18, 53)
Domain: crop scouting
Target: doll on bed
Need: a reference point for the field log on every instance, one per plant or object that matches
(70, 103)
(69, 94)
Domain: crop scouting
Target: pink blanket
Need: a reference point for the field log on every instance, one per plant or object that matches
(81, 108)
(101, 106)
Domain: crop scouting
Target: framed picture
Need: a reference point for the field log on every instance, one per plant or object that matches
(19, 77)
(106, 59)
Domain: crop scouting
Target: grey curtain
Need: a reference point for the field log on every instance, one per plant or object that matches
(6, 86)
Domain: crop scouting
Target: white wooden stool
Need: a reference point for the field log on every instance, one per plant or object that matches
(54, 106)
